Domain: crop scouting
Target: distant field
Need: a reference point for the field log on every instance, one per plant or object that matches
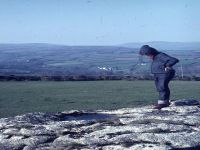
(22, 97)
(47, 59)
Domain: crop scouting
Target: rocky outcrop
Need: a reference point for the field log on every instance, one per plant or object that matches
(175, 127)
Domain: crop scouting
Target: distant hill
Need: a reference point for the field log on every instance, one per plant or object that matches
(162, 45)
(51, 59)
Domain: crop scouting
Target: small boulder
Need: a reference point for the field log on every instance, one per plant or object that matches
(186, 102)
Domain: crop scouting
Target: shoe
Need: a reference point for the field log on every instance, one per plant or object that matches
(160, 106)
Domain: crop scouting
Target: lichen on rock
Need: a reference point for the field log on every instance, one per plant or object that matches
(174, 127)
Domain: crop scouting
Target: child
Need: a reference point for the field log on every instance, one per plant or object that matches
(163, 72)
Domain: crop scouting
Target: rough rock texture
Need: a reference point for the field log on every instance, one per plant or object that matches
(175, 127)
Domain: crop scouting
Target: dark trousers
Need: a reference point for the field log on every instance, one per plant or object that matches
(161, 81)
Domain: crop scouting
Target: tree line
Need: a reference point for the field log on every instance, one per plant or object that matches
(88, 78)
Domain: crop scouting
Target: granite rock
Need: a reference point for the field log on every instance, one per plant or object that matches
(174, 127)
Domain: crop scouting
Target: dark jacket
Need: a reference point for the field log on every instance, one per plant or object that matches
(162, 60)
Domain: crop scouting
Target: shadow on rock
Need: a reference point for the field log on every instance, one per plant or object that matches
(87, 116)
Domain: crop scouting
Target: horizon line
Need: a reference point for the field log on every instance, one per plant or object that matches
(62, 44)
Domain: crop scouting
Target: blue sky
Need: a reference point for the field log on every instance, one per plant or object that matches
(98, 22)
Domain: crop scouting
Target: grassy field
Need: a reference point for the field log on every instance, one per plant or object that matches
(22, 97)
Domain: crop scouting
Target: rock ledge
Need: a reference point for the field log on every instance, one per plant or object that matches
(175, 127)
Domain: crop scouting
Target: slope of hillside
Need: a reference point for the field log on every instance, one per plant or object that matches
(49, 59)
(163, 45)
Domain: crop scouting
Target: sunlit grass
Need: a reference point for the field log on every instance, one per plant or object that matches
(47, 96)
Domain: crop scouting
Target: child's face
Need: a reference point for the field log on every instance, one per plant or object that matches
(150, 56)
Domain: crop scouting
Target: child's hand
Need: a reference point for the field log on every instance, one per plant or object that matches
(167, 68)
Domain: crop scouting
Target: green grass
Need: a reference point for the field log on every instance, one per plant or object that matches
(48, 96)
